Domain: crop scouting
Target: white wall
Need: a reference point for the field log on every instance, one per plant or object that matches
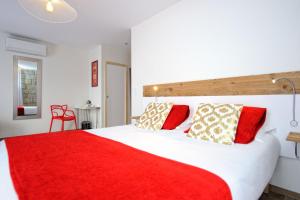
(114, 53)
(95, 93)
(65, 80)
(94, 54)
(203, 39)
(104, 53)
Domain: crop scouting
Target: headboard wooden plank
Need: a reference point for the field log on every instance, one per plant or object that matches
(242, 85)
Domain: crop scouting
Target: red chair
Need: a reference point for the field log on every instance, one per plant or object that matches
(61, 112)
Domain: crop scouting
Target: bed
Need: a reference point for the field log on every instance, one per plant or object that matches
(26, 110)
(246, 169)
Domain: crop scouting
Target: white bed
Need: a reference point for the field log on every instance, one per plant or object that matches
(30, 110)
(247, 169)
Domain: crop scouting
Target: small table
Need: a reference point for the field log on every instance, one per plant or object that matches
(87, 112)
(294, 137)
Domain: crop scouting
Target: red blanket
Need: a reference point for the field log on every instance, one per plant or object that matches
(79, 165)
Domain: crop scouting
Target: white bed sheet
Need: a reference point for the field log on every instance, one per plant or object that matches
(30, 110)
(247, 169)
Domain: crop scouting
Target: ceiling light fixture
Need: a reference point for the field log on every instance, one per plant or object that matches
(49, 6)
(155, 89)
(52, 11)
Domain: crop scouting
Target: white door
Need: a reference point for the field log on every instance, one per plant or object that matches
(116, 89)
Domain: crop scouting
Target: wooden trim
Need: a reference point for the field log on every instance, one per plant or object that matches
(126, 90)
(293, 137)
(116, 63)
(242, 85)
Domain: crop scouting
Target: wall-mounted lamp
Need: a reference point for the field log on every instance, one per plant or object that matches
(293, 122)
(155, 89)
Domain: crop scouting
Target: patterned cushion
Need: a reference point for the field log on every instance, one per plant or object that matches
(216, 122)
(154, 116)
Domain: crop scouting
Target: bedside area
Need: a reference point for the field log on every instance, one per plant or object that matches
(294, 137)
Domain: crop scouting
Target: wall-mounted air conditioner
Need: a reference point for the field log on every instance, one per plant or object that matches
(26, 47)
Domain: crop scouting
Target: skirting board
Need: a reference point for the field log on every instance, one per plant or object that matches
(242, 85)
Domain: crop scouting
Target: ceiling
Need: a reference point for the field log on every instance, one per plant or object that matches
(98, 22)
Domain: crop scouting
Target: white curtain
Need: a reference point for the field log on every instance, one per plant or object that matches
(20, 91)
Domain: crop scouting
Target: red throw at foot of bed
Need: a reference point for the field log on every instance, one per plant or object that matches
(79, 165)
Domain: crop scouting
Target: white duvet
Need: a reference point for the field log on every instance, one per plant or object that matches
(30, 110)
(247, 169)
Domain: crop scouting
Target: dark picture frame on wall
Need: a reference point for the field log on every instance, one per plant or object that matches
(95, 73)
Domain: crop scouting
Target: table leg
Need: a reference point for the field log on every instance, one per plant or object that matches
(78, 117)
(97, 118)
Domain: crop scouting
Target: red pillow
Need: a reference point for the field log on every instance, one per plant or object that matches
(187, 130)
(251, 120)
(21, 110)
(177, 115)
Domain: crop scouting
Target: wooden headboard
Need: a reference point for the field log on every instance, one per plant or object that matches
(242, 85)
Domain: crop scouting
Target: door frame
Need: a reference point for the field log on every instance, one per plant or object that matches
(126, 97)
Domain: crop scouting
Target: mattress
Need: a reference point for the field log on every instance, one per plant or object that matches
(247, 169)
(30, 110)
(26, 110)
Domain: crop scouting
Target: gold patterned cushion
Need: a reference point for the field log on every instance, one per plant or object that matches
(216, 122)
(154, 116)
